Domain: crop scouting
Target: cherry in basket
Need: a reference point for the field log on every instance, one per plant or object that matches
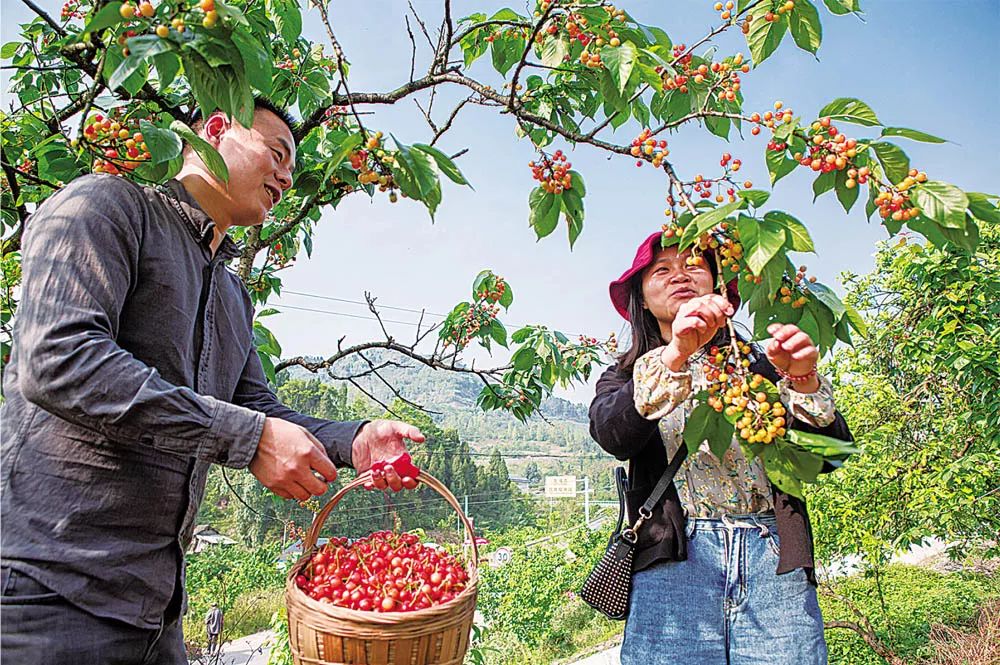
(383, 572)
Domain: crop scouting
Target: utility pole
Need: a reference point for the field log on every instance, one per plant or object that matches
(586, 500)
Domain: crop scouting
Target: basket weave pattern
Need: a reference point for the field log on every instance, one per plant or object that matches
(325, 634)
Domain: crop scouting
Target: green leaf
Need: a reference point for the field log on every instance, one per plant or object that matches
(810, 326)
(705, 424)
(967, 237)
(983, 207)
(9, 49)
(846, 196)
(554, 49)
(779, 164)
(209, 155)
(136, 58)
(708, 220)
(807, 465)
(503, 53)
(347, 145)
(798, 236)
(841, 7)
(167, 65)
(718, 126)
(755, 197)
(942, 202)
(163, 144)
(524, 358)
(819, 444)
(507, 298)
(288, 19)
(856, 321)
(545, 208)
(619, 61)
(804, 23)
(762, 239)
(851, 110)
(824, 184)
(893, 160)
(827, 296)
(256, 59)
(232, 13)
(108, 16)
(444, 163)
(912, 134)
(572, 205)
(764, 38)
(781, 472)
(416, 176)
(498, 333)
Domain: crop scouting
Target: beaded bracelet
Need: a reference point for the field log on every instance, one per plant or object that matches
(796, 379)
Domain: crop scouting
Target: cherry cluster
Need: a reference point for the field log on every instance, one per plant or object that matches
(383, 572)
(723, 75)
(770, 119)
(895, 202)
(645, 145)
(116, 144)
(204, 12)
(475, 318)
(373, 166)
(496, 293)
(777, 9)
(733, 391)
(552, 173)
(71, 10)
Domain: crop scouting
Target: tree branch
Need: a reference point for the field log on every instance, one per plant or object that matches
(45, 17)
(524, 55)
(13, 243)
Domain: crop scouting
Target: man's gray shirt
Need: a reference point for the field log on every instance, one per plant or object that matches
(133, 370)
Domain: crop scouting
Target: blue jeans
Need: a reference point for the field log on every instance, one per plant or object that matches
(724, 605)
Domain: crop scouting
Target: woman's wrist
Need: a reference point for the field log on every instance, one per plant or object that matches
(672, 358)
(802, 383)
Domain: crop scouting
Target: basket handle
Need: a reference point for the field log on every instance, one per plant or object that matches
(366, 477)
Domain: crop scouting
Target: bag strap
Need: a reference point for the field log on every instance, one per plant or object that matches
(646, 510)
(621, 480)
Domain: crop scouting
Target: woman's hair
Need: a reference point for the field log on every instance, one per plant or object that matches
(645, 330)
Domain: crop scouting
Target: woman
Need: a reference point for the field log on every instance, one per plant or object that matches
(724, 568)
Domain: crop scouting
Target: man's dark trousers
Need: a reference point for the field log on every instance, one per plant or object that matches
(39, 627)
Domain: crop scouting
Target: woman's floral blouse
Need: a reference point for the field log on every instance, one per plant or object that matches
(708, 486)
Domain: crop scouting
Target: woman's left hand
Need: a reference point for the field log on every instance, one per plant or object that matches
(793, 352)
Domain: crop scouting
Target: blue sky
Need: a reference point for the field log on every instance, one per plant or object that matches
(920, 64)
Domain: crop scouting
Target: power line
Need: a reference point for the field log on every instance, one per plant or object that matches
(352, 316)
(374, 318)
(358, 302)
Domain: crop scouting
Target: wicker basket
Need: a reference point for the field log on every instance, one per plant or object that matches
(324, 634)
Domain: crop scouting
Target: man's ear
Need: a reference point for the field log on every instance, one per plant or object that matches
(215, 127)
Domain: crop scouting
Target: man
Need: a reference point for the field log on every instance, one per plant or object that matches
(213, 628)
(133, 370)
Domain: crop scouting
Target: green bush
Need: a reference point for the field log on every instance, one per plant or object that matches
(911, 599)
(245, 582)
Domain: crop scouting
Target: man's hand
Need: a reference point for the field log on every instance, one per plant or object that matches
(381, 440)
(793, 352)
(692, 328)
(286, 458)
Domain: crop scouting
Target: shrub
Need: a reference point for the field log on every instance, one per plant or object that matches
(902, 603)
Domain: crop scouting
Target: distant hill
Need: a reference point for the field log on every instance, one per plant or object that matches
(451, 397)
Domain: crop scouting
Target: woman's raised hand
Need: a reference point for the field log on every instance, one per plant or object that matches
(696, 323)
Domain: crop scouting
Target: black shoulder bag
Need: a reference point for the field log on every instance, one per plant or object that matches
(609, 585)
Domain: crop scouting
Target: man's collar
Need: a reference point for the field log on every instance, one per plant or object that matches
(201, 226)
